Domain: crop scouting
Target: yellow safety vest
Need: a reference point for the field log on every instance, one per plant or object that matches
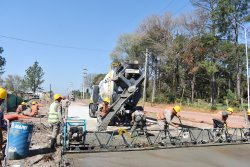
(53, 113)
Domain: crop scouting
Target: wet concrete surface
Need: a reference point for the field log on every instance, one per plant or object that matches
(213, 156)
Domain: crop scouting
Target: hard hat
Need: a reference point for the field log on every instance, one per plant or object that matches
(177, 108)
(57, 96)
(248, 112)
(23, 103)
(230, 109)
(107, 99)
(33, 103)
(3, 93)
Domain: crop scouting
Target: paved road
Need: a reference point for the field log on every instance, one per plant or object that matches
(221, 156)
(216, 156)
(80, 110)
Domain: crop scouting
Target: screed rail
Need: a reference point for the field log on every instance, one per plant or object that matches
(125, 140)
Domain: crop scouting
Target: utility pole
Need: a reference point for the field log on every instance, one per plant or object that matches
(84, 79)
(145, 79)
(50, 92)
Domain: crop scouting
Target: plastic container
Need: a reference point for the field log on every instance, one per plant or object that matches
(19, 140)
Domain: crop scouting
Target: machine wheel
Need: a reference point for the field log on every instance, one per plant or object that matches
(92, 113)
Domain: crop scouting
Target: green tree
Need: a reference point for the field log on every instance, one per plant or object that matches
(230, 14)
(34, 77)
(97, 79)
(2, 61)
(14, 83)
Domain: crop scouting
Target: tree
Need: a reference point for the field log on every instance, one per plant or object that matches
(15, 83)
(230, 15)
(2, 61)
(97, 79)
(34, 77)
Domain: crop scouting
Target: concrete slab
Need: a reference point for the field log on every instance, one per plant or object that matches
(220, 156)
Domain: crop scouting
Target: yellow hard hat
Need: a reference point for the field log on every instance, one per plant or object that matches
(177, 108)
(24, 104)
(3, 93)
(33, 102)
(230, 109)
(57, 96)
(248, 112)
(107, 99)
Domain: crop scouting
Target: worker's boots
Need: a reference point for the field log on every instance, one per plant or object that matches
(53, 143)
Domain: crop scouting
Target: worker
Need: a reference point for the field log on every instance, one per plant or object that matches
(248, 115)
(138, 119)
(164, 117)
(55, 118)
(21, 108)
(102, 111)
(224, 114)
(3, 96)
(65, 105)
(33, 111)
(221, 122)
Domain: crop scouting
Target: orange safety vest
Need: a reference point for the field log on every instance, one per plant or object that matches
(34, 110)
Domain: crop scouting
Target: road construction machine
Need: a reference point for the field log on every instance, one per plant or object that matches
(122, 85)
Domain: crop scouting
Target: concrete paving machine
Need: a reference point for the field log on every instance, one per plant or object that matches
(123, 86)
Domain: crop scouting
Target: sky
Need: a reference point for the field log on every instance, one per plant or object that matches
(89, 30)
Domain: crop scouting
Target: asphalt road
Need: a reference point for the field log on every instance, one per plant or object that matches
(215, 156)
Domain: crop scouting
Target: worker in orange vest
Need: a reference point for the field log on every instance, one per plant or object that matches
(33, 111)
(21, 108)
(102, 111)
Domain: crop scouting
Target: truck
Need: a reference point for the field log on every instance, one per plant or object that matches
(123, 86)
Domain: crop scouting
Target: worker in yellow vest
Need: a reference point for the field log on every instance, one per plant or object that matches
(55, 118)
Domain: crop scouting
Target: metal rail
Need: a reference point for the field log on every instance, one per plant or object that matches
(125, 140)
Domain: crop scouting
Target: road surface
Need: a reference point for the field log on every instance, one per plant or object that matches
(80, 110)
(215, 156)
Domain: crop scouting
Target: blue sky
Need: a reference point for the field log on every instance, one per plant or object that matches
(93, 25)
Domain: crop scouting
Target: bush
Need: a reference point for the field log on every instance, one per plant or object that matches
(171, 98)
(213, 108)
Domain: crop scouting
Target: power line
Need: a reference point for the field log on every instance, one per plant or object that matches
(184, 6)
(53, 45)
(167, 6)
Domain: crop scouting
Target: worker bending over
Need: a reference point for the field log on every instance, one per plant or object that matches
(138, 119)
(22, 108)
(3, 96)
(220, 119)
(102, 111)
(248, 116)
(164, 117)
(55, 118)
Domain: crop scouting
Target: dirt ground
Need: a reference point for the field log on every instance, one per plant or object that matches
(39, 153)
(201, 117)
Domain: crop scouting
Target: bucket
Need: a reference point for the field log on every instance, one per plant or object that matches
(19, 140)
